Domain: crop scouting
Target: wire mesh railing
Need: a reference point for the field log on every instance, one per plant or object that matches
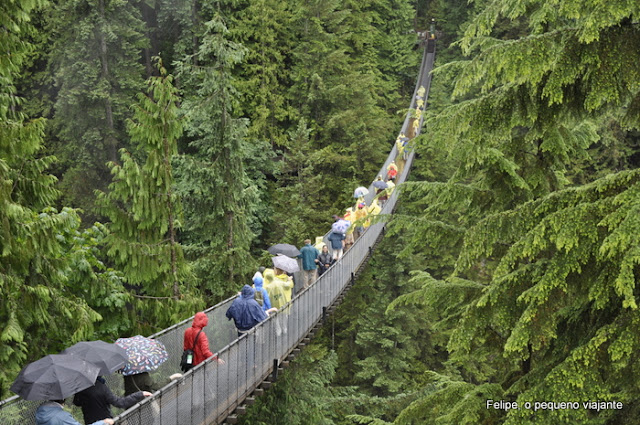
(208, 393)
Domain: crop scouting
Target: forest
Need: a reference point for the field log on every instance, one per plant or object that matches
(150, 151)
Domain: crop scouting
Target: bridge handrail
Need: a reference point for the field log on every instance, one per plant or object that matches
(249, 359)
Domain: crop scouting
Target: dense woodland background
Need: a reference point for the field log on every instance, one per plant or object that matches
(151, 150)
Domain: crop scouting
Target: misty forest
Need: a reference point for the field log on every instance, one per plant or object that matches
(151, 151)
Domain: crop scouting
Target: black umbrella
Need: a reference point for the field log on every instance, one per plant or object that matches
(54, 377)
(108, 357)
(284, 249)
(379, 184)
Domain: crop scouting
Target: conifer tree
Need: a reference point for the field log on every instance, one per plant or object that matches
(41, 249)
(95, 63)
(263, 27)
(547, 268)
(212, 177)
(143, 206)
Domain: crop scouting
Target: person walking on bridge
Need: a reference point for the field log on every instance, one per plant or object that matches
(309, 257)
(53, 413)
(245, 311)
(202, 351)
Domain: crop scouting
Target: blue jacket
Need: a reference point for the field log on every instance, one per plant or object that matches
(51, 413)
(336, 240)
(308, 255)
(245, 310)
(257, 284)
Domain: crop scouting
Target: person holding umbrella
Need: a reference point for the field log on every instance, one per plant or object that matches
(279, 287)
(337, 244)
(95, 400)
(54, 378)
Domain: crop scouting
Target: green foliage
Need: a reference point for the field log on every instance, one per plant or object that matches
(144, 208)
(94, 61)
(218, 195)
(299, 397)
(43, 252)
(535, 222)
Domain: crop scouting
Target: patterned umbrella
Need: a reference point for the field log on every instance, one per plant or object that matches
(340, 226)
(144, 354)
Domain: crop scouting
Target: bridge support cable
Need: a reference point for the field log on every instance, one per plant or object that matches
(211, 392)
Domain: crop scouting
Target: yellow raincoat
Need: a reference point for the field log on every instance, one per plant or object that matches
(390, 186)
(374, 209)
(319, 243)
(278, 287)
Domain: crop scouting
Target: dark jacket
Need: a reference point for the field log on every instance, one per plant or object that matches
(202, 351)
(308, 254)
(95, 401)
(245, 310)
(325, 258)
(336, 240)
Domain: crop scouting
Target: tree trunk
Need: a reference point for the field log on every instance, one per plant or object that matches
(111, 143)
(172, 230)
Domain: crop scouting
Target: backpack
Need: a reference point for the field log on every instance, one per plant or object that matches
(186, 362)
(259, 296)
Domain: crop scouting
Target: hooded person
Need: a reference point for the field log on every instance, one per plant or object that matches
(261, 270)
(52, 413)
(201, 352)
(262, 296)
(279, 288)
(245, 311)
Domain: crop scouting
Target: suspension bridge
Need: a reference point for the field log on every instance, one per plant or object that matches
(213, 393)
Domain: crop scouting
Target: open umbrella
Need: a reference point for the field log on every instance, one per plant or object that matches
(379, 184)
(285, 263)
(54, 377)
(340, 226)
(108, 357)
(284, 249)
(360, 191)
(144, 354)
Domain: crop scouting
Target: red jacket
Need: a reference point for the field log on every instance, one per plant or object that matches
(202, 351)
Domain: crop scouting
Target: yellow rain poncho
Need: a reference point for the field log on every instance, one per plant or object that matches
(390, 186)
(350, 217)
(374, 208)
(319, 243)
(278, 287)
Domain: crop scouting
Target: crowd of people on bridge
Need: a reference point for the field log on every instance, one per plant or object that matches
(270, 290)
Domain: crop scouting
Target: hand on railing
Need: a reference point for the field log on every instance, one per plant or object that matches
(271, 310)
(147, 394)
(220, 361)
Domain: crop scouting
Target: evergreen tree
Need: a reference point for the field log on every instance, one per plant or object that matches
(214, 185)
(545, 270)
(143, 206)
(263, 27)
(41, 250)
(95, 62)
